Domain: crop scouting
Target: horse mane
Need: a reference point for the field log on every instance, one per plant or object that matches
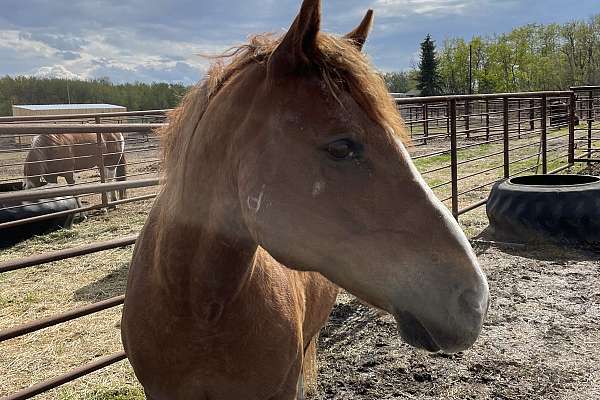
(341, 65)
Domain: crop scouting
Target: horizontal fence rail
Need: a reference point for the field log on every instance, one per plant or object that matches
(40, 324)
(59, 129)
(64, 254)
(50, 384)
(489, 96)
(43, 217)
(461, 144)
(125, 114)
(37, 325)
(36, 194)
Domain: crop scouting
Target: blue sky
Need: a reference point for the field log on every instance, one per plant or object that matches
(160, 40)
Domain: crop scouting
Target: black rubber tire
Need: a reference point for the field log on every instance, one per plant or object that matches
(528, 213)
(27, 209)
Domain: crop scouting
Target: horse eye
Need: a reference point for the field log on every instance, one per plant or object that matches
(341, 149)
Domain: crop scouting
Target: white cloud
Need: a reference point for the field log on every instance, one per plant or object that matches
(56, 71)
(15, 40)
(406, 8)
(120, 54)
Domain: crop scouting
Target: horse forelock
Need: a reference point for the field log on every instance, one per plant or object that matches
(340, 64)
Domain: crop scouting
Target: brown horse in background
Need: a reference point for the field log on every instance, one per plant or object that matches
(52, 156)
(285, 177)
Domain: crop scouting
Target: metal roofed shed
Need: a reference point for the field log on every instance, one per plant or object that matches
(60, 109)
(26, 110)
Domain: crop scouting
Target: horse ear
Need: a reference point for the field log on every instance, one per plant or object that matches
(300, 42)
(359, 35)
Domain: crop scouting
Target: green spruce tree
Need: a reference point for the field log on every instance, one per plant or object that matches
(429, 79)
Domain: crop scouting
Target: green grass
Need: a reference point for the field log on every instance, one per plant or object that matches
(427, 163)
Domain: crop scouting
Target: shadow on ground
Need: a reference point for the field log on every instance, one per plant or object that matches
(109, 286)
(535, 251)
(347, 320)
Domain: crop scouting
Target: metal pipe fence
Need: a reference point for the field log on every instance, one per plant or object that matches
(464, 144)
(140, 148)
(461, 144)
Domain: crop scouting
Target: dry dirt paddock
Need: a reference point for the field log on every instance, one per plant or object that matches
(541, 339)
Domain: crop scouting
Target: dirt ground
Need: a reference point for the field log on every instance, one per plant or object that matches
(540, 340)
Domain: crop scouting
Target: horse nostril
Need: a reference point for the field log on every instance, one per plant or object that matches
(472, 302)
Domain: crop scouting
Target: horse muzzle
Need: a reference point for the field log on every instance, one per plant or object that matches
(455, 329)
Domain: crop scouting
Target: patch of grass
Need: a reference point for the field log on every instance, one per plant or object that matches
(427, 163)
(432, 182)
(57, 236)
(105, 393)
(4, 301)
(31, 298)
(475, 151)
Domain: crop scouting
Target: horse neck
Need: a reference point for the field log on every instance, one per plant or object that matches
(202, 267)
(206, 251)
(204, 255)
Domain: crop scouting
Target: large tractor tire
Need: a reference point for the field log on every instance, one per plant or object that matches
(14, 211)
(546, 208)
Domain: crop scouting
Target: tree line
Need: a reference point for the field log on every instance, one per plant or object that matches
(134, 96)
(529, 58)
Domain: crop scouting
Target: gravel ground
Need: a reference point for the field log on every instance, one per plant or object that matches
(540, 340)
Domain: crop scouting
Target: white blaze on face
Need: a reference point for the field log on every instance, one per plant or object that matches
(318, 188)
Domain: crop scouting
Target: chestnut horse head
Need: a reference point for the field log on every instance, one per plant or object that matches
(303, 148)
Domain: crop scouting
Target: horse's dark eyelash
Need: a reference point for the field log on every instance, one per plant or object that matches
(355, 145)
